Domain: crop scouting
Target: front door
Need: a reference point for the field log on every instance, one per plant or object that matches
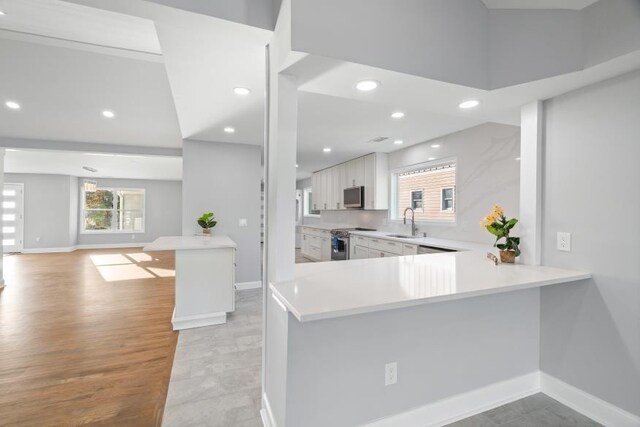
(12, 217)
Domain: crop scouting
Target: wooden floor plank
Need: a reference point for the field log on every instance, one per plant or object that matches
(86, 338)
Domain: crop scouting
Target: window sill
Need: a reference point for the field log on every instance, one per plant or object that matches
(110, 232)
(426, 223)
(311, 216)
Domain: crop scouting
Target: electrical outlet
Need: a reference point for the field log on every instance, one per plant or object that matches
(242, 222)
(390, 373)
(133, 237)
(564, 242)
(38, 239)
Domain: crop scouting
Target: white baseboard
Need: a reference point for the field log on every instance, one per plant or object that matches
(76, 247)
(242, 286)
(266, 413)
(587, 404)
(188, 322)
(458, 407)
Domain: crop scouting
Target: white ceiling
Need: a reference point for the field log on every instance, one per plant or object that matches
(333, 113)
(63, 91)
(68, 21)
(205, 58)
(538, 4)
(108, 166)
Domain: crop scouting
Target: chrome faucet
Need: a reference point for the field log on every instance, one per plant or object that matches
(414, 229)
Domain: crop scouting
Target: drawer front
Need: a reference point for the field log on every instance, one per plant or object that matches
(409, 249)
(361, 241)
(386, 246)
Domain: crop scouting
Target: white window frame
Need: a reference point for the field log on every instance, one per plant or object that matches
(421, 198)
(305, 211)
(393, 196)
(453, 199)
(113, 230)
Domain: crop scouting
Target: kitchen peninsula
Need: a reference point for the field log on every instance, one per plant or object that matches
(205, 278)
(435, 327)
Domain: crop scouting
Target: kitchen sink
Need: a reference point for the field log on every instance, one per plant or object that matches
(402, 236)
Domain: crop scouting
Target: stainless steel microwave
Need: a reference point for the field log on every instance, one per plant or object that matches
(354, 197)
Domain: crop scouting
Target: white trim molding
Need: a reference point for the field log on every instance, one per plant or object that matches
(197, 321)
(243, 286)
(464, 405)
(588, 405)
(77, 247)
(266, 413)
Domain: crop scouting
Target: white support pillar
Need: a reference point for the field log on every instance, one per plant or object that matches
(280, 183)
(2, 151)
(531, 183)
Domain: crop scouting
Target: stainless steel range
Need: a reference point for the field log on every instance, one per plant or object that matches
(340, 242)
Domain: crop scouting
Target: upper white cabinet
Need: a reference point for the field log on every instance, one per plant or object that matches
(370, 171)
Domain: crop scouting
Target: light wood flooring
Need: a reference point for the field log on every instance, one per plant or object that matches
(86, 338)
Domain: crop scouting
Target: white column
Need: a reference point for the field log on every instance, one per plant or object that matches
(531, 183)
(2, 151)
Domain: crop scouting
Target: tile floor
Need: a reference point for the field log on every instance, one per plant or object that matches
(215, 380)
(538, 410)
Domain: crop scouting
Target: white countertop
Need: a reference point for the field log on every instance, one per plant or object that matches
(177, 243)
(333, 289)
(429, 241)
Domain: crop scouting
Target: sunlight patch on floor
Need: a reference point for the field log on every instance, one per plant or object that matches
(130, 266)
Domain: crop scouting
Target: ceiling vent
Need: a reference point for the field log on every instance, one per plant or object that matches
(378, 139)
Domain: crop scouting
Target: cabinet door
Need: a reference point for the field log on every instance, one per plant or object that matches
(315, 190)
(338, 188)
(325, 185)
(305, 245)
(359, 252)
(373, 253)
(326, 249)
(369, 181)
(358, 171)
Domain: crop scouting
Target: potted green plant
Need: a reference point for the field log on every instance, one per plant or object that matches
(498, 225)
(207, 222)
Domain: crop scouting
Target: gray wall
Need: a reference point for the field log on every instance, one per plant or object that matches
(336, 366)
(47, 209)
(163, 200)
(225, 178)
(590, 334)
(59, 197)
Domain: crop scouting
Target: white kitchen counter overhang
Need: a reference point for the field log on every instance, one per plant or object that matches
(335, 289)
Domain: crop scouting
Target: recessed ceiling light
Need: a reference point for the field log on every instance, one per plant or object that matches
(242, 91)
(518, 158)
(296, 165)
(435, 145)
(90, 169)
(2, 13)
(13, 105)
(108, 114)
(326, 149)
(431, 158)
(397, 115)
(398, 142)
(367, 85)
(229, 129)
(469, 104)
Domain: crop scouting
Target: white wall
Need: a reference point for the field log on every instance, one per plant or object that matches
(336, 366)
(163, 213)
(225, 178)
(487, 173)
(590, 334)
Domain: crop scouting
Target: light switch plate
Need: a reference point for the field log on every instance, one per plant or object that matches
(242, 222)
(564, 241)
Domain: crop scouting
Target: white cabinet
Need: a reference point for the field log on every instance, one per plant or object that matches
(359, 252)
(355, 172)
(376, 181)
(370, 171)
(316, 244)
